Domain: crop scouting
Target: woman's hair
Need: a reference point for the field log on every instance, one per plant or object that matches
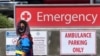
(27, 29)
(30, 38)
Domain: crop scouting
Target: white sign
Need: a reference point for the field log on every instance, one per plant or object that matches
(77, 42)
(39, 46)
(11, 40)
(40, 42)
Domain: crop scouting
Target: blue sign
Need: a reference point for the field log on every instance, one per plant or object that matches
(10, 47)
(10, 34)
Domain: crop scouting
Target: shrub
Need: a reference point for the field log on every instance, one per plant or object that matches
(5, 22)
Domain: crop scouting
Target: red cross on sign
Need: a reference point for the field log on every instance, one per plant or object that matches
(26, 15)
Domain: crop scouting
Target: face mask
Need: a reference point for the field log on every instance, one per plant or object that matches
(22, 29)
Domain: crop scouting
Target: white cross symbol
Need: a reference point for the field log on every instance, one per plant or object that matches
(26, 15)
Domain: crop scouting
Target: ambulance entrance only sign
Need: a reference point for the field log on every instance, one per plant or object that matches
(77, 42)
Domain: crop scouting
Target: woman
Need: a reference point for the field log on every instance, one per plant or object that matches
(24, 43)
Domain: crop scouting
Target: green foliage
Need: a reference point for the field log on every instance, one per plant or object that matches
(5, 22)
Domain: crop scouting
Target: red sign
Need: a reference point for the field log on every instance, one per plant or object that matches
(58, 16)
